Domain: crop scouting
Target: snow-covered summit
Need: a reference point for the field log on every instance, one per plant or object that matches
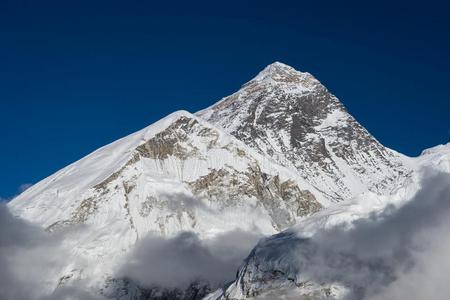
(291, 117)
(278, 72)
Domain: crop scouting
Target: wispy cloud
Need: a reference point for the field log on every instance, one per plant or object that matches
(22, 188)
(25, 186)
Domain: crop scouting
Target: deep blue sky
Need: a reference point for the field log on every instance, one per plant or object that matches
(76, 77)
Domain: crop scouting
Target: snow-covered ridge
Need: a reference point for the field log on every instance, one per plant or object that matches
(437, 157)
(86, 172)
(439, 149)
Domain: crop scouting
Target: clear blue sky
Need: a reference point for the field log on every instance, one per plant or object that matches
(76, 77)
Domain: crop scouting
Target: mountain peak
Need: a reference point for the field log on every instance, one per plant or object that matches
(275, 69)
(278, 72)
(291, 117)
(278, 66)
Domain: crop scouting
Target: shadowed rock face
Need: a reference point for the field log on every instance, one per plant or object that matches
(173, 141)
(291, 117)
(283, 200)
(261, 277)
(127, 289)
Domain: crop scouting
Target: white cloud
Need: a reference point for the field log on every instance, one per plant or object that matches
(179, 261)
(31, 261)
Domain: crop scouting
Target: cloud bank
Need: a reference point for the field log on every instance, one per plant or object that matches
(400, 253)
(31, 262)
(177, 262)
(24, 257)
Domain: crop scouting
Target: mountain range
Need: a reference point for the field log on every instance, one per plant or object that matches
(279, 158)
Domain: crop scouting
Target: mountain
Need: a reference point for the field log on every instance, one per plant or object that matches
(292, 118)
(179, 174)
(279, 151)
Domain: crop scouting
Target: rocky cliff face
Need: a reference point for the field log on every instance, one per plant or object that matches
(271, 271)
